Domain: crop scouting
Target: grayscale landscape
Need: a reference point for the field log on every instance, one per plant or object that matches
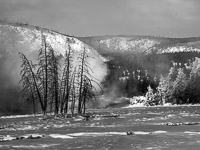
(100, 75)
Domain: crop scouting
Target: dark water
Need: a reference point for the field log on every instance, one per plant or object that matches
(152, 128)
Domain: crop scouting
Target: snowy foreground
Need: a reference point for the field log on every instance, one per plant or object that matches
(146, 128)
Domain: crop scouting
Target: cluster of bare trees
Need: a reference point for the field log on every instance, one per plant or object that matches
(58, 88)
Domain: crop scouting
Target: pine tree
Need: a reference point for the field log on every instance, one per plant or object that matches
(150, 96)
(161, 90)
(172, 73)
(179, 86)
(165, 88)
(192, 89)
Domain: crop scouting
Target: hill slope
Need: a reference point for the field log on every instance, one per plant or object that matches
(25, 38)
(143, 44)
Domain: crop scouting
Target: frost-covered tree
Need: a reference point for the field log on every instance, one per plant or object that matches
(179, 86)
(150, 96)
(192, 89)
(166, 88)
(162, 90)
(172, 73)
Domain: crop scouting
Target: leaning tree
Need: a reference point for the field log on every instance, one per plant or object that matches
(29, 80)
(86, 81)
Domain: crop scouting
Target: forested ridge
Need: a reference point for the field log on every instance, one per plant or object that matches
(134, 72)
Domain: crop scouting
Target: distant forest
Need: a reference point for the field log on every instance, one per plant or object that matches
(137, 72)
(132, 73)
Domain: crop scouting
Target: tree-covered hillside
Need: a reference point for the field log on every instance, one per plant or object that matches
(135, 62)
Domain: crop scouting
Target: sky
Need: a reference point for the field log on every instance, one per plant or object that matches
(169, 18)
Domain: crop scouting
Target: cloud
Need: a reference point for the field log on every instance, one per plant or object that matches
(100, 17)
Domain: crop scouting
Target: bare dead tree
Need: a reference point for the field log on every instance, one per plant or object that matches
(73, 94)
(29, 80)
(55, 66)
(44, 84)
(82, 59)
(74, 90)
(86, 81)
(75, 86)
(66, 78)
(44, 72)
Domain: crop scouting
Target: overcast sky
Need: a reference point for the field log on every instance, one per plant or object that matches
(172, 18)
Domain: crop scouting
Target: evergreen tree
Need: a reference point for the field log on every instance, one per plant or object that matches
(192, 89)
(150, 96)
(179, 86)
(172, 73)
(161, 90)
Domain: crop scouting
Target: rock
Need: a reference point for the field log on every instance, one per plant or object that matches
(20, 138)
(35, 136)
(130, 133)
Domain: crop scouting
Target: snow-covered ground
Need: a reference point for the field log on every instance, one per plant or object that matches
(168, 127)
(19, 116)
